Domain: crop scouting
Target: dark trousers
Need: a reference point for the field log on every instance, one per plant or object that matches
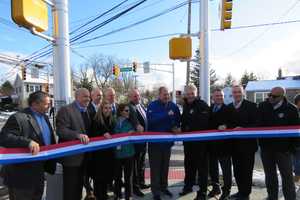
(243, 164)
(283, 160)
(196, 161)
(123, 165)
(139, 166)
(73, 182)
(225, 163)
(34, 193)
(159, 159)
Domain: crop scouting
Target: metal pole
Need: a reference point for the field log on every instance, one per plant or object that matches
(173, 77)
(204, 82)
(188, 63)
(61, 54)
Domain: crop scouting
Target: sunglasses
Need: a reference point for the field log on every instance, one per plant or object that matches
(126, 110)
(273, 95)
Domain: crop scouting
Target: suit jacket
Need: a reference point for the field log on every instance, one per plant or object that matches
(18, 131)
(69, 125)
(91, 110)
(245, 116)
(220, 117)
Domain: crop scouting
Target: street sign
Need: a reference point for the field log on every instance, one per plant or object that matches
(180, 48)
(146, 66)
(30, 14)
(126, 69)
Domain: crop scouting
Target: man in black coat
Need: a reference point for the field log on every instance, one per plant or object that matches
(139, 118)
(220, 150)
(195, 117)
(277, 152)
(30, 129)
(244, 114)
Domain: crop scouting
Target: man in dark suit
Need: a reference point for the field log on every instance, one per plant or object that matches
(220, 150)
(277, 152)
(73, 123)
(195, 117)
(139, 119)
(244, 115)
(30, 129)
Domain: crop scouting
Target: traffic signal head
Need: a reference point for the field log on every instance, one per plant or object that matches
(116, 71)
(134, 66)
(180, 48)
(23, 69)
(226, 14)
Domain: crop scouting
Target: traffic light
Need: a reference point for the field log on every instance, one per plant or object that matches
(47, 87)
(116, 70)
(23, 70)
(180, 48)
(134, 66)
(226, 14)
(30, 14)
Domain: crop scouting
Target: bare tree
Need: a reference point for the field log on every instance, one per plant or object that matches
(102, 69)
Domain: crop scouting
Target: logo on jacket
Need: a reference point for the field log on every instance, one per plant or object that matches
(281, 115)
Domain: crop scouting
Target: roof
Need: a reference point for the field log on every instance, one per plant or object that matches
(267, 85)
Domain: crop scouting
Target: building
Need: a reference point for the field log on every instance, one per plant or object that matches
(36, 79)
(257, 91)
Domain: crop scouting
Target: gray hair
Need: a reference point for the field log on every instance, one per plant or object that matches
(79, 91)
(37, 97)
(191, 87)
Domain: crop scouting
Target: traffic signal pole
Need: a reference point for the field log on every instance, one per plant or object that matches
(61, 53)
(204, 86)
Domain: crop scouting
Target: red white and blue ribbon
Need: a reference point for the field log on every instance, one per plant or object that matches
(21, 155)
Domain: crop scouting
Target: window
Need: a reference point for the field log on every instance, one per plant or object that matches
(37, 88)
(27, 88)
(260, 96)
(31, 88)
(34, 73)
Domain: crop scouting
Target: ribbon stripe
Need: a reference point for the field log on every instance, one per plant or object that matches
(22, 155)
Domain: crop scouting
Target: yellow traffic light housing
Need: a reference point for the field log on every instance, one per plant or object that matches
(226, 14)
(30, 14)
(116, 70)
(23, 71)
(180, 48)
(134, 66)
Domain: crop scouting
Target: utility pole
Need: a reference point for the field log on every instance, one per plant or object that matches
(204, 82)
(61, 53)
(188, 63)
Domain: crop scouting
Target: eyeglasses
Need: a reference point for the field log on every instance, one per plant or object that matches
(126, 110)
(273, 95)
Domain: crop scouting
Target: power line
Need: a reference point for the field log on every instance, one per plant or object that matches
(137, 23)
(129, 41)
(81, 35)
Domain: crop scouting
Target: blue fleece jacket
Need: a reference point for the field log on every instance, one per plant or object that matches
(159, 119)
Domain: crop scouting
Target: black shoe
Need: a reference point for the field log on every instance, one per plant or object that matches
(214, 192)
(225, 196)
(200, 197)
(185, 192)
(167, 193)
(156, 197)
(144, 186)
(138, 192)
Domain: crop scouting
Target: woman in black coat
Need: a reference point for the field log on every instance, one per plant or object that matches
(102, 161)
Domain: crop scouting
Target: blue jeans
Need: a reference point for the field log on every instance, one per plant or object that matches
(296, 160)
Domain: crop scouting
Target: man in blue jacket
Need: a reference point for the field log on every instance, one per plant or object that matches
(163, 116)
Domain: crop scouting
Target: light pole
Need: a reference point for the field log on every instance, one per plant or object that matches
(204, 82)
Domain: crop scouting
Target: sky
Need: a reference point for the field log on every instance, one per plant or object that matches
(262, 50)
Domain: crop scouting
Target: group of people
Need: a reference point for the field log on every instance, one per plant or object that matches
(92, 115)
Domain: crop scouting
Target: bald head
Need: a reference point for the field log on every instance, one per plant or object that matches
(110, 95)
(134, 96)
(276, 95)
(82, 96)
(96, 96)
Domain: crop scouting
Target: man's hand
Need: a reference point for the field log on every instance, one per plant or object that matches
(171, 113)
(176, 130)
(222, 127)
(84, 139)
(34, 147)
(140, 128)
(107, 135)
(238, 127)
